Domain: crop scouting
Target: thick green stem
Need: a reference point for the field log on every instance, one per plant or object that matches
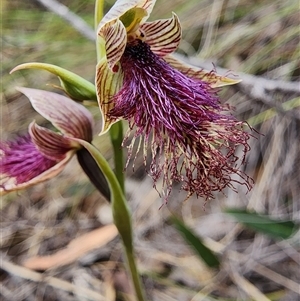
(121, 215)
(99, 8)
(135, 275)
(116, 136)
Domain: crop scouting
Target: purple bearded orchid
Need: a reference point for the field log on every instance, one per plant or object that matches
(42, 153)
(172, 108)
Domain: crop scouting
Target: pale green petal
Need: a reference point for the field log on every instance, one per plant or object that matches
(66, 115)
(163, 36)
(118, 9)
(123, 6)
(211, 77)
(133, 18)
(108, 83)
(11, 184)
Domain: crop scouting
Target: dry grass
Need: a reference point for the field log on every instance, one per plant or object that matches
(258, 37)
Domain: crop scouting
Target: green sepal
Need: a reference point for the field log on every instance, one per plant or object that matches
(75, 86)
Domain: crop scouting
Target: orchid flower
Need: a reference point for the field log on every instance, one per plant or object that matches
(172, 108)
(43, 153)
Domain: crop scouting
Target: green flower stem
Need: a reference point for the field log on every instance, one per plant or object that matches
(135, 275)
(99, 8)
(116, 136)
(121, 214)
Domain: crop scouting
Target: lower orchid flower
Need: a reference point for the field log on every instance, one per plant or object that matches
(172, 108)
(42, 153)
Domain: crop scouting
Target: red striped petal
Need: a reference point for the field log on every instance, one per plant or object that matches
(163, 36)
(52, 145)
(115, 38)
(65, 114)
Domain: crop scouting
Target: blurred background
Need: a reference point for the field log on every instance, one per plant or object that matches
(256, 40)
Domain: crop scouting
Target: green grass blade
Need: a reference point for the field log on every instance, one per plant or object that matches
(201, 250)
(278, 229)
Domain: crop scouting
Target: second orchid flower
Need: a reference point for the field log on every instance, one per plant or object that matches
(43, 153)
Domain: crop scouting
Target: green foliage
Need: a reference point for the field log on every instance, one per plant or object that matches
(278, 229)
(192, 239)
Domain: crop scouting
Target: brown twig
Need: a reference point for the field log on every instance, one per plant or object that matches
(75, 21)
(25, 273)
(75, 249)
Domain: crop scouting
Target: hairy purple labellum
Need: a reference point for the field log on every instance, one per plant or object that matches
(22, 161)
(182, 119)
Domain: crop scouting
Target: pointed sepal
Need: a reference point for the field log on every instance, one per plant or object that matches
(215, 80)
(114, 39)
(71, 118)
(75, 86)
(94, 173)
(126, 10)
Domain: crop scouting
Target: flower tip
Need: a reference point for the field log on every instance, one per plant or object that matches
(225, 81)
(105, 128)
(235, 81)
(19, 89)
(14, 69)
(24, 90)
(23, 66)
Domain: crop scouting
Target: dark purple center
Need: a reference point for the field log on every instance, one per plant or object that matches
(155, 95)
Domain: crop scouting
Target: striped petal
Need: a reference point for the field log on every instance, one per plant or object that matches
(65, 114)
(215, 80)
(108, 83)
(163, 36)
(114, 37)
(52, 145)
